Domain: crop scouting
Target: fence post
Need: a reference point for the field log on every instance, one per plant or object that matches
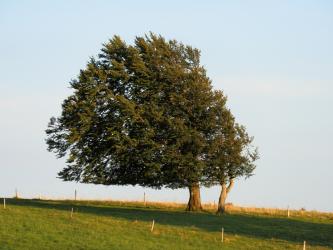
(4, 203)
(144, 199)
(222, 234)
(152, 226)
(304, 245)
(75, 194)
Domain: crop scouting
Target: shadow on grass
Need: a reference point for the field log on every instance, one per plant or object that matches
(293, 230)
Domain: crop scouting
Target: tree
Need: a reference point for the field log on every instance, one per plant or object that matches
(231, 155)
(142, 114)
(138, 115)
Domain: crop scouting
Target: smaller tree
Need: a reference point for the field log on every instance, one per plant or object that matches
(232, 154)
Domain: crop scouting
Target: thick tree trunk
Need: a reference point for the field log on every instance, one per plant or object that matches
(194, 203)
(223, 196)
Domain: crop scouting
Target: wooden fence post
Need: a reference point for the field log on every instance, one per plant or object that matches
(152, 226)
(144, 199)
(222, 234)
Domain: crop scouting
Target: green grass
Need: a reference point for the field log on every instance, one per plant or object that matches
(35, 224)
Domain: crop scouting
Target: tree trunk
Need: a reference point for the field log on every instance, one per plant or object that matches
(223, 196)
(194, 203)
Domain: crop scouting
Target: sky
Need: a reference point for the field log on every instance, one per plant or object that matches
(273, 59)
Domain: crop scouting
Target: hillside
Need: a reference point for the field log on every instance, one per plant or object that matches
(39, 224)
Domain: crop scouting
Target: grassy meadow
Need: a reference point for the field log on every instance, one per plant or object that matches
(46, 224)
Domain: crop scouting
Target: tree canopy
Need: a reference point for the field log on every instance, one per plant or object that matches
(146, 114)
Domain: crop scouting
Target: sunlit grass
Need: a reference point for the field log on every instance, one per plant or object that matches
(40, 224)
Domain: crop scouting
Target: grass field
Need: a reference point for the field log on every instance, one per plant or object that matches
(41, 224)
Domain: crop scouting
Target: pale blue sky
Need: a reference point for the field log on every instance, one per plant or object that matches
(274, 60)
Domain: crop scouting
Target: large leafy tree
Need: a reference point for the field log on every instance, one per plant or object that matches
(142, 114)
(137, 115)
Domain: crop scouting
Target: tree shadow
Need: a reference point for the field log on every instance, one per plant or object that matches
(288, 229)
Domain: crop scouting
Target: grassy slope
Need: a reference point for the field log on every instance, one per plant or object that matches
(34, 224)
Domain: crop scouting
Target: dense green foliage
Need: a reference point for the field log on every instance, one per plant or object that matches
(34, 224)
(136, 112)
(146, 114)
(232, 155)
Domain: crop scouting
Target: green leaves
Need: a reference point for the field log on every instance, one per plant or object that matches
(146, 114)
